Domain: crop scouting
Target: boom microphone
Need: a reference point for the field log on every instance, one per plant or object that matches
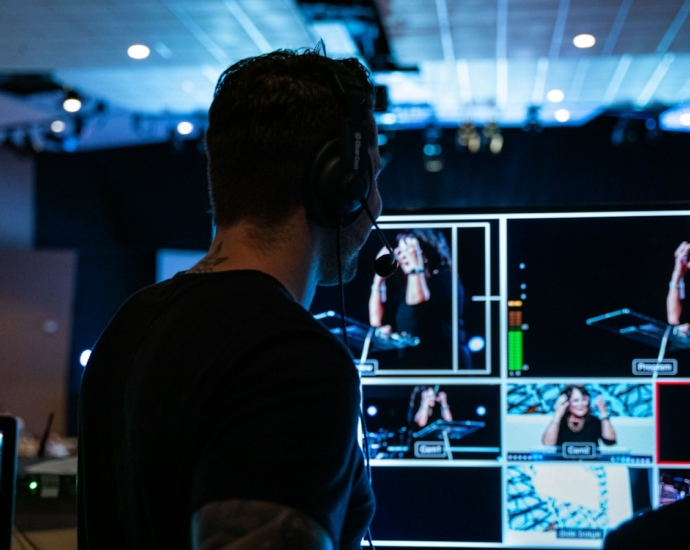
(386, 264)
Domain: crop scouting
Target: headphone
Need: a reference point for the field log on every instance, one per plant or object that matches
(341, 175)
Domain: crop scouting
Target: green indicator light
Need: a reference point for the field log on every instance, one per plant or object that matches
(33, 485)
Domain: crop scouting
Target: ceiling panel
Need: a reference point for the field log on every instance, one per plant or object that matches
(475, 59)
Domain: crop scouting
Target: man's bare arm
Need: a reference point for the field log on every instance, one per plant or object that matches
(256, 525)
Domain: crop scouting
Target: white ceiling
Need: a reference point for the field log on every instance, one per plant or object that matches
(477, 60)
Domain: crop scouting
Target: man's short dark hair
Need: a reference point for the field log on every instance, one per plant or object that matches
(270, 117)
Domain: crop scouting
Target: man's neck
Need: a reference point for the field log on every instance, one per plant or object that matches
(292, 261)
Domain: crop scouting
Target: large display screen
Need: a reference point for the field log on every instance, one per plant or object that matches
(521, 384)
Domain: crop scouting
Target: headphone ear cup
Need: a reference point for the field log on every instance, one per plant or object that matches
(333, 198)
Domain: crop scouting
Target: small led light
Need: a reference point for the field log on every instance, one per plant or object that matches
(684, 119)
(84, 357)
(372, 411)
(138, 51)
(555, 96)
(481, 410)
(33, 485)
(58, 126)
(185, 128)
(584, 41)
(562, 115)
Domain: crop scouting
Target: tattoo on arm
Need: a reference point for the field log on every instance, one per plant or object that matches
(208, 262)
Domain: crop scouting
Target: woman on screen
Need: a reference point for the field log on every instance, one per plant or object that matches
(573, 420)
(423, 403)
(676, 288)
(418, 300)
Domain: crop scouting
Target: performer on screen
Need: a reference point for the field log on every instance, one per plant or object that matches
(423, 403)
(573, 420)
(676, 288)
(418, 300)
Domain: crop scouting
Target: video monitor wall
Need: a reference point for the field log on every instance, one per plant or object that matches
(521, 385)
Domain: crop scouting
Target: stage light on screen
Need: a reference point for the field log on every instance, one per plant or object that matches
(372, 411)
(476, 344)
(685, 119)
(84, 357)
(481, 410)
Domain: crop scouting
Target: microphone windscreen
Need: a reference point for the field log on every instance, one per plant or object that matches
(385, 265)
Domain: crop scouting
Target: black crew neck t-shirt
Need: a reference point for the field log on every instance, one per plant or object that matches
(216, 386)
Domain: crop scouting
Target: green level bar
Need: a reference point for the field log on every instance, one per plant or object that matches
(515, 350)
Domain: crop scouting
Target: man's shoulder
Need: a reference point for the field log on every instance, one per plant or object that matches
(660, 528)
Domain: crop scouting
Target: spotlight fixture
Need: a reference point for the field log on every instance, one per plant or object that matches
(532, 123)
(492, 133)
(469, 137)
(72, 103)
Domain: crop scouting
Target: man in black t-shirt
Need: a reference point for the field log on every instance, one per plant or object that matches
(214, 410)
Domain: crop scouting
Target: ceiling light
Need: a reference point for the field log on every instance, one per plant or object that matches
(562, 115)
(72, 103)
(58, 126)
(584, 41)
(185, 128)
(684, 119)
(138, 51)
(555, 96)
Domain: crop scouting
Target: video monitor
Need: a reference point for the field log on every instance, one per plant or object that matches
(438, 314)
(673, 484)
(673, 422)
(592, 290)
(423, 507)
(550, 505)
(575, 422)
(525, 375)
(550, 340)
(427, 420)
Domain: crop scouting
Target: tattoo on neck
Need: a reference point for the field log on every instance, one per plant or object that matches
(211, 260)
